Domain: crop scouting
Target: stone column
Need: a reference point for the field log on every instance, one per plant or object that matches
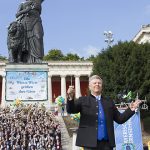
(63, 86)
(3, 102)
(50, 88)
(77, 86)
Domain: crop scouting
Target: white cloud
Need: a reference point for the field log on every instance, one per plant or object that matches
(86, 51)
(73, 51)
(91, 50)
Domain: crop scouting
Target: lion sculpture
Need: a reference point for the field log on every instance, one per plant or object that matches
(15, 42)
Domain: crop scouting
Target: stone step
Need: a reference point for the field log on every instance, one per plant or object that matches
(65, 138)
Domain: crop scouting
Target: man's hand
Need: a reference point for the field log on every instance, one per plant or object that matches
(134, 105)
(71, 92)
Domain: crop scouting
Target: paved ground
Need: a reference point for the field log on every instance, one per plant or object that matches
(65, 138)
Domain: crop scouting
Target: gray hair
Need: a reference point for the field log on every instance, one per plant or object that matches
(95, 77)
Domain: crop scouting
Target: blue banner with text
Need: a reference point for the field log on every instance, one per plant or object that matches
(128, 136)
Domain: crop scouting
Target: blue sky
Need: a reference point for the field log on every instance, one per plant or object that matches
(77, 26)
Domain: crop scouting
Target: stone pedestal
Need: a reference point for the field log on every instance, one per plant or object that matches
(27, 82)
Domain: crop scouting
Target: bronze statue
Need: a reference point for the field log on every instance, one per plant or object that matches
(28, 15)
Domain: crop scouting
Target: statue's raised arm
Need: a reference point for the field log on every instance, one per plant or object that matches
(23, 9)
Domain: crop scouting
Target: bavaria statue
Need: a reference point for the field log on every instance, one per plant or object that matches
(25, 35)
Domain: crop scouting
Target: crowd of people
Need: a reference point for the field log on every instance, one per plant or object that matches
(29, 127)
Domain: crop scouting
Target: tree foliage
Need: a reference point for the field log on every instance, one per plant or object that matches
(91, 58)
(2, 58)
(57, 55)
(54, 54)
(125, 67)
(73, 57)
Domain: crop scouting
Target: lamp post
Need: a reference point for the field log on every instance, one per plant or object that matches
(109, 37)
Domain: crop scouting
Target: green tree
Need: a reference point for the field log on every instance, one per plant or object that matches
(54, 54)
(57, 55)
(2, 58)
(125, 67)
(91, 58)
(73, 57)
